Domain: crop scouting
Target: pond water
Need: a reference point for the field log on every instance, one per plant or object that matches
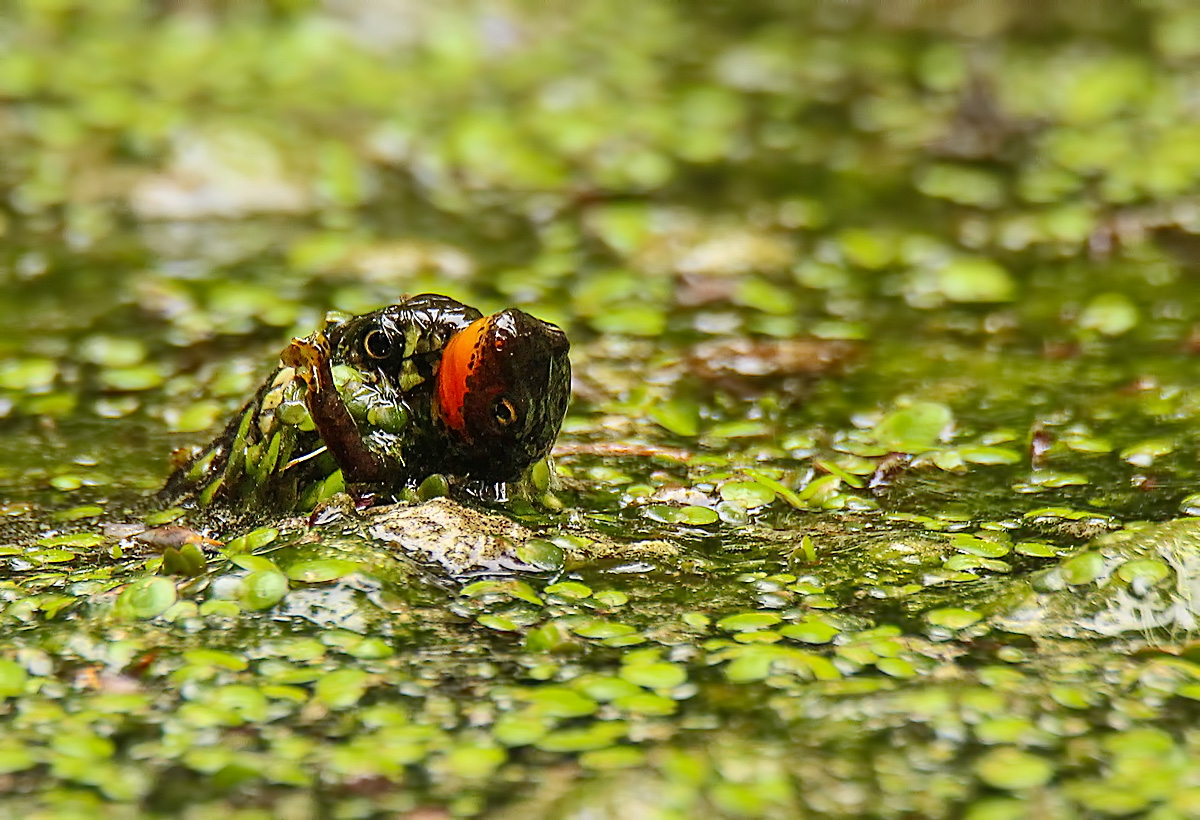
(884, 326)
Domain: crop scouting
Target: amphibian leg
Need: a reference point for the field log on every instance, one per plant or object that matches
(310, 358)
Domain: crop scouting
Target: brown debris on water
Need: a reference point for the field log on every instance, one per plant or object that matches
(172, 536)
(748, 366)
(622, 449)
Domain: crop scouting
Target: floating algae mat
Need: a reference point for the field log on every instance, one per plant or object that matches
(877, 496)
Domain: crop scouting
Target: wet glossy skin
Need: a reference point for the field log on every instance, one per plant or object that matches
(381, 401)
(402, 342)
(502, 392)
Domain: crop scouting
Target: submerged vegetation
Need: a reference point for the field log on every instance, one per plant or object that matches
(880, 478)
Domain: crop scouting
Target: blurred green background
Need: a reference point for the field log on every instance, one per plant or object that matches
(884, 316)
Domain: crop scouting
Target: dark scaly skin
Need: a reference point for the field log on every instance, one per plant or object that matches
(492, 410)
(502, 393)
(338, 430)
(410, 335)
(508, 362)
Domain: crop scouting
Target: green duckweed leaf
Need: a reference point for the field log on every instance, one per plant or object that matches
(748, 621)
(646, 704)
(542, 555)
(253, 540)
(973, 279)
(82, 745)
(78, 513)
(659, 675)
(696, 516)
(475, 762)
(1148, 571)
(520, 729)
(263, 589)
(342, 688)
(980, 546)
(810, 631)
(12, 678)
(696, 620)
(896, 667)
(599, 735)
(74, 539)
(569, 589)
(913, 429)
(693, 515)
(498, 622)
(611, 598)
(748, 494)
(524, 592)
(16, 758)
(146, 598)
(632, 319)
(322, 570)
(28, 374)
(1083, 568)
(560, 702)
(1035, 549)
(611, 759)
(434, 486)
(597, 628)
(549, 637)
(213, 657)
(953, 617)
(989, 455)
(1073, 697)
(1144, 453)
(679, 416)
(254, 563)
(196, 418)
(605, 688)
(1110, 314)
(1012, 769)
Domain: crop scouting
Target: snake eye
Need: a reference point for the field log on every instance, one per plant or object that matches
(377, 344)
(504, 412)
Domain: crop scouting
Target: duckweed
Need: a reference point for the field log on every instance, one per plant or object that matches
(810, 631)
(321, 570)
(616, 757)
(748, 621)
(613, 598)
(1111, 314)
(253, 540)
(146, 598)
(569, 589)
(502, 624)
(541, 554)
(342, 688)
(263, 589)
(748, 494)
(952, 618)
(654, 675)
(678, 416)
(1147, 571)
(1013, 769)
(884, 410)
(692, 514)
(1084, 568)
(913, 429)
